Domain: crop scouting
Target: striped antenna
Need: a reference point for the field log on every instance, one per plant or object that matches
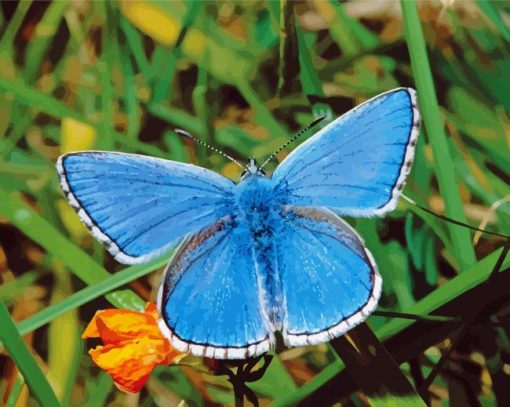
(184, 133)
(315, 122)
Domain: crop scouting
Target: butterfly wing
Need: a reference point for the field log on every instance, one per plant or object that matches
(208, 301)
(358, 163)
(138, 206)
(335, 285)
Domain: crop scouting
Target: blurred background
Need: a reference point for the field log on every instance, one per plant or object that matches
(245, 76)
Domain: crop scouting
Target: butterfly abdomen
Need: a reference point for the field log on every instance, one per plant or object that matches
(259, 215)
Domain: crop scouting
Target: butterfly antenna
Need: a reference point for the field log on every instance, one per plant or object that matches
(291, 140)
(184, 133)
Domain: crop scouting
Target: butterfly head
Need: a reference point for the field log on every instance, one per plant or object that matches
(252, 168)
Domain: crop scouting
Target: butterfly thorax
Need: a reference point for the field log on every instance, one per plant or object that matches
(257, 207)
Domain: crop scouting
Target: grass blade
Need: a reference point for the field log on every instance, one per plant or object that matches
(88, 294)
(15, 391)
(44, 34)
(449, 291)
(374, 370)
(26, 363)
(46, 235)
(492, 12)
(165, 75)
(445, 170)
(64, 351)
(14, 24)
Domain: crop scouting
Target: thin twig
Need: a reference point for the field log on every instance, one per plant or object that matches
(450, 220)
(405, 315)
(442, 361)
(485, 220)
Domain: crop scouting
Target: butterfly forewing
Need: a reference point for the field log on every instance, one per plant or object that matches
(138, 206)
(358, 163)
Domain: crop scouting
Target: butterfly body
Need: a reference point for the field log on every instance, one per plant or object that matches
(263, 255)
(258, 206)
(259, 221)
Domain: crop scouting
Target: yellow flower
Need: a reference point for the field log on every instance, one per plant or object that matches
(132, 345)
(152, 21)
(163, 27)
(76, 135)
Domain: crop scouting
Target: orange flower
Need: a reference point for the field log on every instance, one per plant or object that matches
(133, 345)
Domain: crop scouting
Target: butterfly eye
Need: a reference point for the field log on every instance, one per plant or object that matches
(244, 173)
(262, 172)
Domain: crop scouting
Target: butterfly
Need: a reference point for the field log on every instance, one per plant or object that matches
(267, 254)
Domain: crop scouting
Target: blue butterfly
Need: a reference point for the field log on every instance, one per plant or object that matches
(263, 255)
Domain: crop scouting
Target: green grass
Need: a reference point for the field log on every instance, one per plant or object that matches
(245, 77)
(20, 354)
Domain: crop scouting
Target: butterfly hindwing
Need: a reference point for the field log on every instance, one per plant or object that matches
(358, 163)
(138, 206)
(329, 280)
(209, 299)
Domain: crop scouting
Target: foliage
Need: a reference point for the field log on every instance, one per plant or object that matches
(246, 76)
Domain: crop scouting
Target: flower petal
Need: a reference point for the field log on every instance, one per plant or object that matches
(114, 325)
(131, 362)
(91, 329)
(152, 310)
(133, 345)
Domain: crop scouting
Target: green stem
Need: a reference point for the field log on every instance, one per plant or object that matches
(288, 67)
(14, 24)
(262, 113)
(164, 77)
(45, 31)
(26, 363)
(429, 107)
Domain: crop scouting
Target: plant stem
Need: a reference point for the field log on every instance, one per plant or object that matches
(239, 397)
(288, 67)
